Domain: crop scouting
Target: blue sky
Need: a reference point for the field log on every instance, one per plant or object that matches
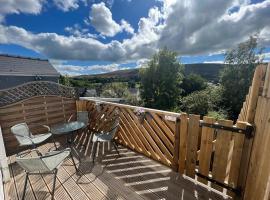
(94, 36)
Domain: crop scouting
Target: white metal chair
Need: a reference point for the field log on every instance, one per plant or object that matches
(26, 138)
(47, 164)
(106, 137)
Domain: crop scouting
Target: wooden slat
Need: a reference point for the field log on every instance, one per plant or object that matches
(206, 148)
(176, 144)
(192, 144)
(160, 133)
(129, 129)
(163, 126)
(222, 149)
(238, 143)
(183, 142)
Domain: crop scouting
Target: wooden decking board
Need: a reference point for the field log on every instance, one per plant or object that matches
(87, 187)
(108, 178)
(10, 189)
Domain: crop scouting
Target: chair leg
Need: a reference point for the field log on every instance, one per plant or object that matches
(94, 151)
(71, 156)
(54, 183)
(116, 148)
(53, 140)
(25, 185)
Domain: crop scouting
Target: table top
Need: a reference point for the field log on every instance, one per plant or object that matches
(65, 128)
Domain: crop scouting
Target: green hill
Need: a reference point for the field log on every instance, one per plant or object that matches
(209, 71)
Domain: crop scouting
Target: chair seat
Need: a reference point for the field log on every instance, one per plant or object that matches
(102, 137)
(37, 139)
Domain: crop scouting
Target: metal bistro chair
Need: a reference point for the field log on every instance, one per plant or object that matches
(83, 116)
(26, 138)
(106, 137)
(47, 164)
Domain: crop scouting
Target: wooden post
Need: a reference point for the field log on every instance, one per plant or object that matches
(254, 93)
(176, 144)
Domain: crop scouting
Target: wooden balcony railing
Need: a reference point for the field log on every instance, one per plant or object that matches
(177, 140)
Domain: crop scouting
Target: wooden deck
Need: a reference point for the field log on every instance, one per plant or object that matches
(130, 176)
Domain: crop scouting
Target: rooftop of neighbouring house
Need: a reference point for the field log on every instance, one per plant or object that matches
(25, 66)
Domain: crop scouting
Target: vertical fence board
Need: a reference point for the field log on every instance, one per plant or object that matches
(183, 143)
(238, 142)
(206, 148)
(222, 149)
(192, 144)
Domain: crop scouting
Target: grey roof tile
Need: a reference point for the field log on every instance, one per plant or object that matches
(24, 66)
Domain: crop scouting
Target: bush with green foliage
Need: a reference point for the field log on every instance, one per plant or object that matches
(115, 90)
(220, 114)
(192, 83)
(237, 75)
(160, 80)
(65, 80)
(202, 102)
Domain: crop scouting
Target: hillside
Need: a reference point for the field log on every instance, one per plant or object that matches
(208, 71)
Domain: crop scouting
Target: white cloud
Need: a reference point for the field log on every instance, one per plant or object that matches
(19, 6)
(126, 27)
(184, 26)
(77, 31)
(191, 29)
(104, 68)
(73, 70)
(66, 69)
(102, 21)
(215, 62)
(141, 63)
(67, 5)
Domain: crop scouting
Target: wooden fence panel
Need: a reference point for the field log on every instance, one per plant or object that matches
(259, 170)
(46, 110)
(177, 141)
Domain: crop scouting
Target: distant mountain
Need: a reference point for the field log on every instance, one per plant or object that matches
(209, 71)
(126, 73)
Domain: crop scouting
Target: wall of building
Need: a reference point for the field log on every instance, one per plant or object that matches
(12, 81)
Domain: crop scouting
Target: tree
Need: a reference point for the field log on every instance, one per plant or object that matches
(192, 83)
(64, 80)
(161, 79)
(115, 90)
(203, 101)
(237, 74)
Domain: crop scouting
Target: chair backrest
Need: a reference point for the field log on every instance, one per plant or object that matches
(33, 164)
(82, 116)
(114, 127)
(45, 163)
(21, 129)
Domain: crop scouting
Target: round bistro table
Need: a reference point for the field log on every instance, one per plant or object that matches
(68, 129)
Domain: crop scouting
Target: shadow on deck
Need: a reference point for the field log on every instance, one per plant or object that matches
(130, 176)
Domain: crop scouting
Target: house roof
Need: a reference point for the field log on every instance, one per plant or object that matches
(25, 66)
